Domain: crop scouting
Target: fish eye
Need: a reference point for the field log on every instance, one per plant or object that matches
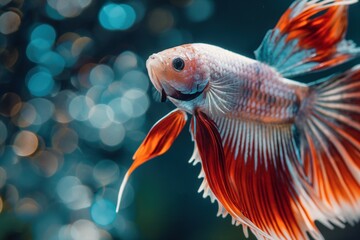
(178, 64)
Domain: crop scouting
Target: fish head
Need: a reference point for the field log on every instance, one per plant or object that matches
(178, 72)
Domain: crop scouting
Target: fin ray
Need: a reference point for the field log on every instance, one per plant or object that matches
(252, 178)
(329, 121)
(213, 164)
(309, 37)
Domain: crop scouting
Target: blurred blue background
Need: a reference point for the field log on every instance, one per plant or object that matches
(76, 102)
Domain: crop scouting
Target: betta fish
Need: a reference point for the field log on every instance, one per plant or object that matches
(276, 154)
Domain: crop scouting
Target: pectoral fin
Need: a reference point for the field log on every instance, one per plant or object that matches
(159, 139)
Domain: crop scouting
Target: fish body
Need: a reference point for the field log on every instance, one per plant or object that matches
(235, 87)
(276, 154)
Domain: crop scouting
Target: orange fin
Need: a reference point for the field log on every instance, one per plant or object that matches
(218, 181)
(330, 142)
(255, 173)
(309, 37)
(159, 139)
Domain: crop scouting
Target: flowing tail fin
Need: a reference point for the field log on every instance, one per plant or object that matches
(329, 123)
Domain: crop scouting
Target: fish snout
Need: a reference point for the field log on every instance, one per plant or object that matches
(155, 66)
(155, 62)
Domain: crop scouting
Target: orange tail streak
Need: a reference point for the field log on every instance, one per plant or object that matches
(158, 141)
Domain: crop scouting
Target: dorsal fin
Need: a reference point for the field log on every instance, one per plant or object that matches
(309, 37)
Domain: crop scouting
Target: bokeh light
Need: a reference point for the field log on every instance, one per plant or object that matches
(80, 106)
(112, 135)
(106, 172)
(62, 101)
(65, 140)
(101, 115)
(200, 10)
(84, 229)
(25, 116)
(27, 206)
(10, 104)
(117, 16)
(103, 212)
(53, 61)
(36, 49)
(136, 79)
(125, 61)
(25, 143)
(9, 22)
(101, 75)
(67, 8)
(40, 83)
(44, 110)
(139, 103)
(44, 32)
(73, 193)
(47, 163)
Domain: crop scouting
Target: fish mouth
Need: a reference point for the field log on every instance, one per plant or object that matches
(176, 94)
(163, 96)
(166, 90)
